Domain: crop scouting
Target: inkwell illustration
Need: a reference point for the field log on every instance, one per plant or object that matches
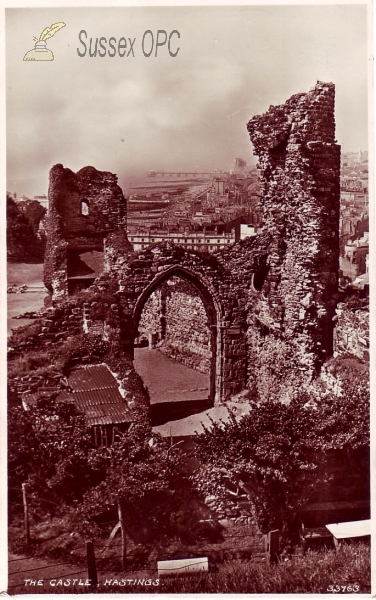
(40, 51)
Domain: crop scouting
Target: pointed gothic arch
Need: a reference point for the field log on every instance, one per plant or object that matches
(214, 312)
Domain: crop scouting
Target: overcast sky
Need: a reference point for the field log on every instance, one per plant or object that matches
(187, 112)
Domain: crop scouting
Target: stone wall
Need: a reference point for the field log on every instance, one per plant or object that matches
(84, 208)
(351, 335)
(147, 271)
(296, 291)
(56, 324)
(174, 319)
(187, 336)
(61, 322)
(237, 539)
(150, 325)
(80, 330)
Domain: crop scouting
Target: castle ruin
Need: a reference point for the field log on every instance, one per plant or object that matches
(269, 300)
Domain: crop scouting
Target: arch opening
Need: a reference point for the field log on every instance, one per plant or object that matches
(177, 320)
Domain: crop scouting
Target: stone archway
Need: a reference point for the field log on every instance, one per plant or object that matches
(214, 312)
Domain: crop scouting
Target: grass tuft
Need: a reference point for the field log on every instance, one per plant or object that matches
(312, 573)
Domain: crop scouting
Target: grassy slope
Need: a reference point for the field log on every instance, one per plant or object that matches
(312, 573)
(22, 273)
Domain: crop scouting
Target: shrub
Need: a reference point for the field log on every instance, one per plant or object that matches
(37, 362)
(278, 453)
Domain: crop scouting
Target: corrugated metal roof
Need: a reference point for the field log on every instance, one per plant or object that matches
(94, 397)
(109, 414)
(96, 394)
(92, 377)
(64, 395)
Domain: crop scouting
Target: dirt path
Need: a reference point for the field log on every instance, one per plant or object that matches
(168, 380)
(45, 573)
(42, 576)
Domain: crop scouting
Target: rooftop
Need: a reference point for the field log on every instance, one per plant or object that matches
(96, 394)
(195, 424)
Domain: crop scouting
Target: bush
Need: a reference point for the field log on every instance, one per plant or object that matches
(26, 333)
(37, 362)
(49, 448)
(278, 453)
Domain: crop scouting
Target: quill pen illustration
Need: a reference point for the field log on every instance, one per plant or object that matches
(48, 32)
(40, 51)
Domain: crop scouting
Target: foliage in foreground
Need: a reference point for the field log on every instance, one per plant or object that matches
(312, 573)
(344, 570)
(278, 453)
(52, 451)
(144, 476)
(49, 449)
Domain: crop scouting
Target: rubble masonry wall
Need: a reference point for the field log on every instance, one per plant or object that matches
(292, 324)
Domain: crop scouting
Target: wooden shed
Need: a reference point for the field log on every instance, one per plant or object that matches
(95, 392)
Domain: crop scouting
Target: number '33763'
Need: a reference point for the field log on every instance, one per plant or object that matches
(343, 589)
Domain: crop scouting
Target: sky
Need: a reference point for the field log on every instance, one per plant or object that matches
(185, 112)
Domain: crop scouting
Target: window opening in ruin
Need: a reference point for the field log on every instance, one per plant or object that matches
(84, 208)
(173, 350)
(259, 278)
(278, 153)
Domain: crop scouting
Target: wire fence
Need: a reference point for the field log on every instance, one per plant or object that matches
(227, 548)
(84, 570)
(129, 554)
(32, 573)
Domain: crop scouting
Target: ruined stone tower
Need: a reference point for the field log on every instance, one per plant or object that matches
(85, 209)
(300, 199)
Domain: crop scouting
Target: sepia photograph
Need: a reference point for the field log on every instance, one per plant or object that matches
(187, 274)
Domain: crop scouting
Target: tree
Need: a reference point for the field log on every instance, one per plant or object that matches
(342, 422)
(22, 243)
(140, 476)
(49, 448)
(267, 455)
(34, 212)
(144, 483)
(278, 453)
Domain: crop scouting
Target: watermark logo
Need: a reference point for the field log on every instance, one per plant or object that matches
(40, 51)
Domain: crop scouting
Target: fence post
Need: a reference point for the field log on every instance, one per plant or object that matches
(273, 545)
(123, 535)
(91, 565)
(26, 515)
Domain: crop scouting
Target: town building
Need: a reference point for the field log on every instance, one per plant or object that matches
(247, 231)
(354, 262)
(191, 240)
